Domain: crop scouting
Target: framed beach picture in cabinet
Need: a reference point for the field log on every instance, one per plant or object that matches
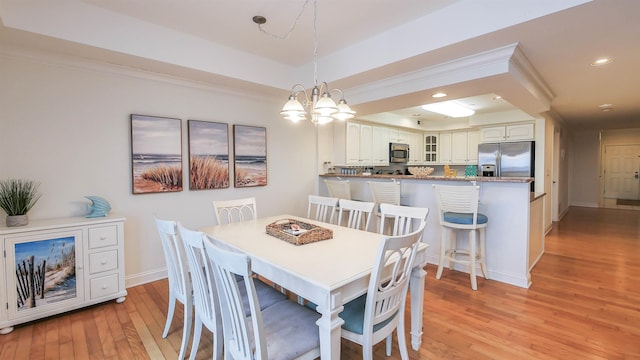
(156, 154)
(250, 155)
(208, 155)
(44, 273)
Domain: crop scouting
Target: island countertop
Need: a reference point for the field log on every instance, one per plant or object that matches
(434, 178)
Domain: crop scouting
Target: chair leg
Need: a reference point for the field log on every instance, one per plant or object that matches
(388, 345)
(443, 250)
(483, 261)
(402, 341)
(170, 311)
(197, 332)
(472, 259)
(186, 329)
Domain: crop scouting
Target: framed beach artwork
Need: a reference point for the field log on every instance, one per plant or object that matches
(250, 155)
(208, 155)
(45, 272)
(156, 154)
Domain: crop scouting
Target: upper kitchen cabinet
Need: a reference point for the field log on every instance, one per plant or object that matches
(513, 132)
(415, 141)
(359, 144)
(380, 143)
(431, 148)
(459, 147)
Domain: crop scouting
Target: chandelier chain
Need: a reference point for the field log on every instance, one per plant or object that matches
(293, 25)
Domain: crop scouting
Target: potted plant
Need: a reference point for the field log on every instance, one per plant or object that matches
(17, 197)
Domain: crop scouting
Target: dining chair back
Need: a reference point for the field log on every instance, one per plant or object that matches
(374, 316)
(207, 309)
(180, 288)
(359, 213)
(458, 210)
(228, 211)
(340, 189)
(284, 330)
(404, 219)
(322, 208)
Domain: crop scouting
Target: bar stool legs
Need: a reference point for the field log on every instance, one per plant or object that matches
(449, 252)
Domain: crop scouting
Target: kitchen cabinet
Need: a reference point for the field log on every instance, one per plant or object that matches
(431, 145)
(359, 144)
(459, 147)
(399, 136)
(380, 151)
(58, 265)
(415, 141)
(512, 132)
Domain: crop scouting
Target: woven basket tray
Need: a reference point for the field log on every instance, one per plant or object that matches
(285, 230)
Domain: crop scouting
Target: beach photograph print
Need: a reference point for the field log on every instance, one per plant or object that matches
(45, 271)
(156, 153)
(208, 155)
(250, 155)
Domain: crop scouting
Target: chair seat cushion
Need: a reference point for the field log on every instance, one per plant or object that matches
(290, 330)
(353, 316)
(267, 295)
(463, 218)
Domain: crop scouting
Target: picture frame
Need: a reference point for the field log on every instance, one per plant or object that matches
(156, 154)
(208, 155)
(249, 156)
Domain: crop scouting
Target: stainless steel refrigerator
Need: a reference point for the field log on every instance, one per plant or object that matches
(510, 159)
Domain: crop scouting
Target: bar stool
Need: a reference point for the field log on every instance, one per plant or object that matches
(384, 192)
(458, 207)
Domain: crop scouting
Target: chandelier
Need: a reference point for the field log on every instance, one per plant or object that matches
(317, 102)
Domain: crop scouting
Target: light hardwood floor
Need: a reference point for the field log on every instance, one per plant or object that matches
(584, 304)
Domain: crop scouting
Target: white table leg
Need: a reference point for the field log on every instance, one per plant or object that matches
(330, 327)
(416, 286)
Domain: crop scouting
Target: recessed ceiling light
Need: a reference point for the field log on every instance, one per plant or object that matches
(602, 61)
(497, 97)
(416, 115)
(439, 94)
(449, 108)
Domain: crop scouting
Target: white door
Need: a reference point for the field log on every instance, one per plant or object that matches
(622, 164)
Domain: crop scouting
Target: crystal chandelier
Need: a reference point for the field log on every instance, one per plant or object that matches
(317, 102)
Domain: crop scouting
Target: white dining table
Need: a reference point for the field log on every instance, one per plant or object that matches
(328, 272)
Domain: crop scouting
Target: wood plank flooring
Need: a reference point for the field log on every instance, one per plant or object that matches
(584, 304)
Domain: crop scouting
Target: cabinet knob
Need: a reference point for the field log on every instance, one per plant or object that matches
(104, 287)
(103, 238)
(103, 262)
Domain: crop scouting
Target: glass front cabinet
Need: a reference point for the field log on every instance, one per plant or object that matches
(431, 148)
(58, 265)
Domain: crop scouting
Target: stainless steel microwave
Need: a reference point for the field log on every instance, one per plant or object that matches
(398, 153)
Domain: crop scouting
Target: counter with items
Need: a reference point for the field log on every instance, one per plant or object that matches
(507, 202)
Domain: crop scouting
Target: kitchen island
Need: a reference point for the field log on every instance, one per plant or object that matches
(513, 241)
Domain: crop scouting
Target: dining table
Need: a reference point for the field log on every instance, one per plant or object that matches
(328, 272)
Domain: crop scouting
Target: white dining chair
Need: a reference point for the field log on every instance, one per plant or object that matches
(284, 330)
(322, 208)
(206, 300)
(374, 316)
(229, 211)
(207, 309)
(359, 213)
(402, 219)
(458, 211)
(180, 288)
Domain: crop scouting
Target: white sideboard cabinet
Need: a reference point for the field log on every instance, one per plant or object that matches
(52, 266)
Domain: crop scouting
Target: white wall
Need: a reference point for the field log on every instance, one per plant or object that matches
(584, 163)
(66, 124)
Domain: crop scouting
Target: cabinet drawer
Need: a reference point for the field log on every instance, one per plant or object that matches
(103, 236)
(104, 286)
(103, 261)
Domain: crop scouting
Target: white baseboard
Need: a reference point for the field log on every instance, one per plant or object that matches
(146, 277)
